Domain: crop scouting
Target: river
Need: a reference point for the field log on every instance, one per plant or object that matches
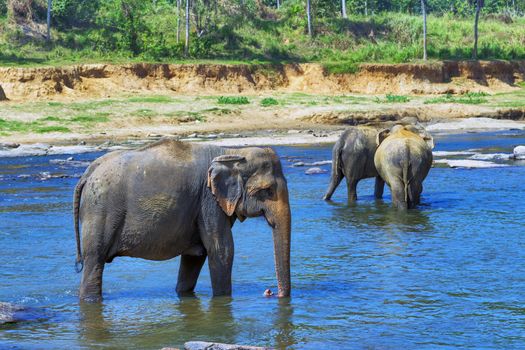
(450, 274)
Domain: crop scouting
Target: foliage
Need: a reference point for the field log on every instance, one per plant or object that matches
(269, 101)
(472, 98)
(393, 99)
(233, 100)
(254, 30)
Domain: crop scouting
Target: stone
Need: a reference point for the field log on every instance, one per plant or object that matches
(9, 145)
(313, 171)
(519, 153)
(202, 345)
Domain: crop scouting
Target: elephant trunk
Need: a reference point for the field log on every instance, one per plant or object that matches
(279, 217)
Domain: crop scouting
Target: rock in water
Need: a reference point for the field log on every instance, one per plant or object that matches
(202, 345)
(3, 97)
(519, 153)
(312, 171)
(11, 313)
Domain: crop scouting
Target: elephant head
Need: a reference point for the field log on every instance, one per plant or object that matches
(416, 129)
(248, 183)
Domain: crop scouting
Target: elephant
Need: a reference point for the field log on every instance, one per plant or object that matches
(175, 198)
(353, 158)
(403, 159)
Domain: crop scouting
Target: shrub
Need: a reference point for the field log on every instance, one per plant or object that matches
(233, 100)
(269, 101)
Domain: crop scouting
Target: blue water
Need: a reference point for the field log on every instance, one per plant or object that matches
(450, 274)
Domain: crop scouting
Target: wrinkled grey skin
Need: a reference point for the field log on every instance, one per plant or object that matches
(174, 198)
(403, 159)
(353, 159)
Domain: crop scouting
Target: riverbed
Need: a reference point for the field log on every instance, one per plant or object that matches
(448, 274)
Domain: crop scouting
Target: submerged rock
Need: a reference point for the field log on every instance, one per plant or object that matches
(11, 313)
(202, 345)
(519, 153)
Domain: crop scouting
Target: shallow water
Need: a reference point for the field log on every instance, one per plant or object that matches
(450, 274)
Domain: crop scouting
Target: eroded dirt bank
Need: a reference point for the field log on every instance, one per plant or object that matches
(103, 80)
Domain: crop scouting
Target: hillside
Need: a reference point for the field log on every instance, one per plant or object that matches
(254, 34)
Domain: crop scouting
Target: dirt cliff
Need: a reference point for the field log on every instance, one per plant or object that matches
(101, 80)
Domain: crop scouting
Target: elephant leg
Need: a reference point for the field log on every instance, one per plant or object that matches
(216, 235)
(189, 270)
(91, 284)
(335, 180)
(397, 188)
(379, 187)
(414, 193)
(351, 184)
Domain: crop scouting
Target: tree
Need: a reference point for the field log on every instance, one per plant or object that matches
(48, 36)
(278, 4)
(479, 5)
(343, 8)
(424, 11)
(187, 41)
(309, 17)
(179, 15)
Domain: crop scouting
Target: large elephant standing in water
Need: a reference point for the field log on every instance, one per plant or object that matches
(174, 198)
(353, 159)
(403, 159)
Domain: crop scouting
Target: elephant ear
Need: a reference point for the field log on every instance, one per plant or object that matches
(225, 181)
(425, 135)
(383, 134)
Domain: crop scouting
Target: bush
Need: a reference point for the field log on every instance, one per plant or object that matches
(233, 100)
(269, 101)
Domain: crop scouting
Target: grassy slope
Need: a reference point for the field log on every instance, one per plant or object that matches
(339, 44)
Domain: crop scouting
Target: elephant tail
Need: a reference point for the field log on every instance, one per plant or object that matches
(79, 262)
(406, 179)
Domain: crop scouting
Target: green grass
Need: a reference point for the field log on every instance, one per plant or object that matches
(48, 129)
(50, 119)
(471, 98)
(521, 84)
(233, 100)
(91, 118)
(269, 101)
(151, 99)
(393, 99)
(186, 116)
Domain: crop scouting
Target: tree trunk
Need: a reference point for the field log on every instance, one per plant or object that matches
(476, 21)
(343, 8)
(424, 10)
(309, 17)
(366, 8)
(187, 42)
(48, 37)
(179, 15)
(278, 4)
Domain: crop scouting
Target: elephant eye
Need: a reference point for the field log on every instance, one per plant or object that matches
(265, 192)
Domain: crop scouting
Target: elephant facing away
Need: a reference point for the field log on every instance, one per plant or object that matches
(175, 198)
(353, 159)
(403, 159)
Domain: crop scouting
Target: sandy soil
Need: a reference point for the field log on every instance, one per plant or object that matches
(105, 103)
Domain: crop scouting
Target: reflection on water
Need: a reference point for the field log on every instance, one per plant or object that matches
(447, 274)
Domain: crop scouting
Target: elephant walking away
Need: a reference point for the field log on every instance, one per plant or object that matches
(353, 159)
(175, 198)
(403, 159)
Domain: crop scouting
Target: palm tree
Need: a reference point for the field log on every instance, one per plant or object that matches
(424, 10)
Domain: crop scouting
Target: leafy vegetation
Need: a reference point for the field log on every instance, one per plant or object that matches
(393, 99)
(233, 100)
(472, 98)
(255, 31)
(269, 101)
